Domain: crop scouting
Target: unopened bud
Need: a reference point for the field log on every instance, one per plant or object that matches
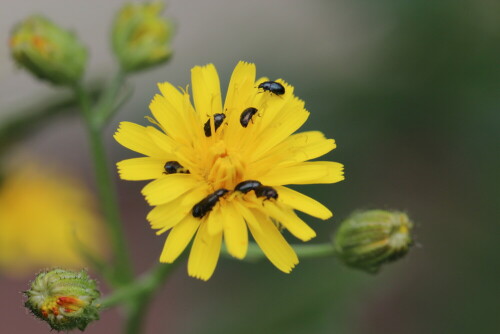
(368, 239)
(141, 37)
(48, 51)
(63, 298)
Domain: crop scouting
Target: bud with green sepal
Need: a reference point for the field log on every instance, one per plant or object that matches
(368, 239)
(65, 299)
(141, 38)
(48, 51)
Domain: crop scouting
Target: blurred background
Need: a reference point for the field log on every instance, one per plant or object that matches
(410, 92)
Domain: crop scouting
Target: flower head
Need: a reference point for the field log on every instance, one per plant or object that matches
(235, 160)
(65, 299)
(48, 51)
(141, 37)
(368, 239)
(43, 214)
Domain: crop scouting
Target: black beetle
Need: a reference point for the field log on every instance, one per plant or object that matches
(247, 186)
(207, 204)
(267, 192)
(273, 87)
(246, 116)
(218, 119)
(172, 167)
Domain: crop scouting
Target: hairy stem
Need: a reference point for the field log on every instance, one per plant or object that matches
(106, 106)
(107, 195)
(138, 295)
(303, 251)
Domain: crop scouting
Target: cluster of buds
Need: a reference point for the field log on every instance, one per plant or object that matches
(64, 299)
(368, 239)
(48, 51)
(141, 37)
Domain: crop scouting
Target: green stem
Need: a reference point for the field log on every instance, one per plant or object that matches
(138, 311)
(303, 251)
(138, 294)
(106, 106)
(314, 250)
(107, 195)
(150, 281)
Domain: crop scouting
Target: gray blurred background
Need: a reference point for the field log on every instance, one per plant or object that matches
(409, 90)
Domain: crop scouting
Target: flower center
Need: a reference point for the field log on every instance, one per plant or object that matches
(225, 169)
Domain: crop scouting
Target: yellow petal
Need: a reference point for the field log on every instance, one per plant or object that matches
(206, 90)
(294, 154)
(274, 245)
(334, 171)
(166, 216)
(204, 254)
(161, 140)
(240, 94)
(296, 148)
(172, 95)
(281, 126)
(168, 187)
(214, 221)
(179, 238)
(304, 173)
(171, 119)
(235, 232)
(201, 191)
(135, 138)
(241, 88)
(274, 109)
(138, 169)
(290, 220)
(299, 141)
(247, 214)
(303, 203)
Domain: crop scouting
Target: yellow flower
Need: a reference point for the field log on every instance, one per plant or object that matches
(213, 157)
(42, 212)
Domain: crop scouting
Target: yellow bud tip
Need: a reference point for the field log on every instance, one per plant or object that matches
(369, 239)
(64, 299)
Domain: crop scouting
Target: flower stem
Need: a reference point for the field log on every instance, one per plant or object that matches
(107, 195)
(138, 295)
(138, 311)
(303, 251)
(315, 250)
(106, 106)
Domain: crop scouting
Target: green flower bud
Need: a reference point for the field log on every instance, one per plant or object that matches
(141, 38)
(63, 298)
(368, 239)
(48, 51)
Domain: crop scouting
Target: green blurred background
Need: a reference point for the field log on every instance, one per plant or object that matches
(410, 92)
